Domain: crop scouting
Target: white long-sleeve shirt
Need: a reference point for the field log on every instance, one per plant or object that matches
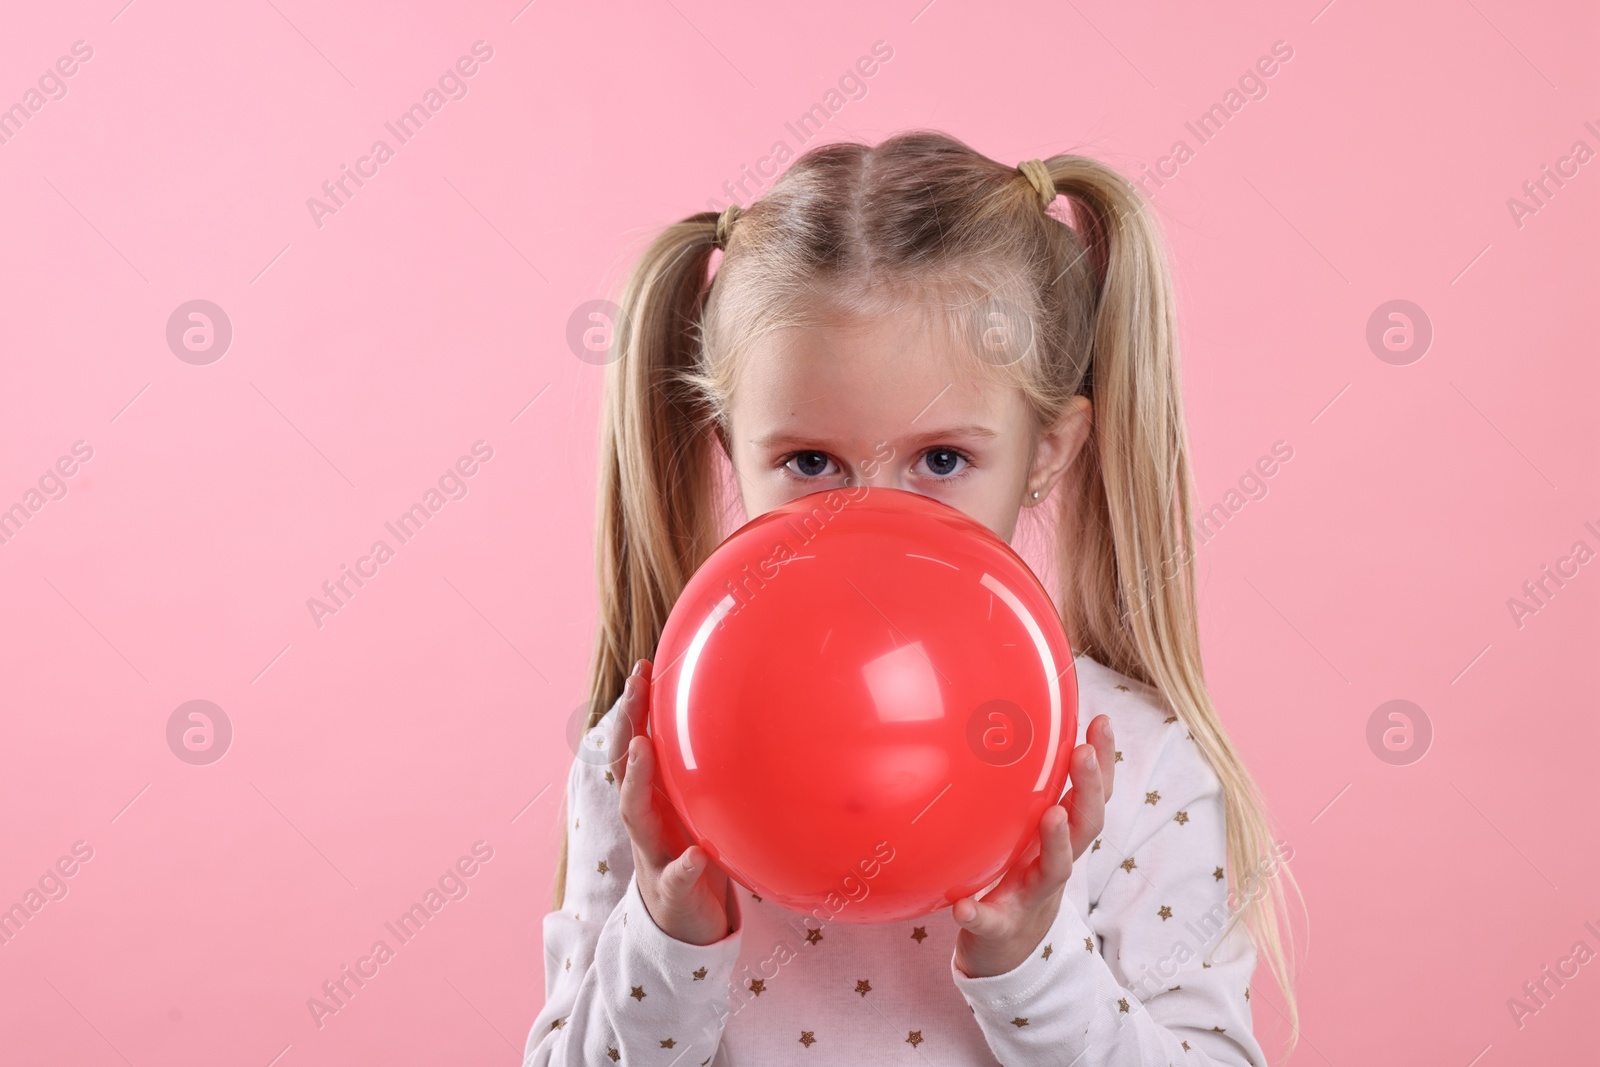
(1132, 972)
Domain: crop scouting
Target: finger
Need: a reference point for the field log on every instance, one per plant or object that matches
(980, 918)
(1086, 802)
(1044, 866)
(1016, 878)
(637, 807)
(639, 708)
(635, 694)
(1022, 873)
(681, 877)
(1055, 851)
(1105, 749)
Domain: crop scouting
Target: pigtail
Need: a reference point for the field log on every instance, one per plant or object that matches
(1126, 544)
(658, 512)
(923, 213)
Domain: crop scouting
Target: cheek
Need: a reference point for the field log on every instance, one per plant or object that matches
(760, 489)
(987, 498)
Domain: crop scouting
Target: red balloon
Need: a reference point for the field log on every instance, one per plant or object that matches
(861, 705)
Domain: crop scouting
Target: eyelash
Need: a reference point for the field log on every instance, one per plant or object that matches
(783, 464)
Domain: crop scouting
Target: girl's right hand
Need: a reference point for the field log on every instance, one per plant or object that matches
(687, 895)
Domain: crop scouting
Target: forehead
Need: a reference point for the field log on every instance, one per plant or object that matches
(866, 380)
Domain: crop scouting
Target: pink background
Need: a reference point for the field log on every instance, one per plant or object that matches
(431, 311)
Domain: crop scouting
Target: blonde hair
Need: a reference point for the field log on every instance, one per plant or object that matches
(851, 229)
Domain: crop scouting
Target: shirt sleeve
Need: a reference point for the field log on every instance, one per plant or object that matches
(616, 985)
(1152, 975)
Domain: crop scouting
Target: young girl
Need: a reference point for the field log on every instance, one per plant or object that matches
(912, 315)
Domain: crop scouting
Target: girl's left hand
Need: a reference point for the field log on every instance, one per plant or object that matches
(999, 931)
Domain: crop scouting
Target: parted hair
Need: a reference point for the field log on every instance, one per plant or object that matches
(1086, 305)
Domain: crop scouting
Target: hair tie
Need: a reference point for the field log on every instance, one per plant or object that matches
(725, 221)
(1039, 176)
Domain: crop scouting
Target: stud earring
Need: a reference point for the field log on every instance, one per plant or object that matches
(1036, 494)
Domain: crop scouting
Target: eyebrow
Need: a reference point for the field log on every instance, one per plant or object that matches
(779, 438)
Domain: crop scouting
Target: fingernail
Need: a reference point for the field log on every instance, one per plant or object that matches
(1093, 761)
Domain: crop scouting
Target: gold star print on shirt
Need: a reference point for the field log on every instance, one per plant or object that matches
(599, 957)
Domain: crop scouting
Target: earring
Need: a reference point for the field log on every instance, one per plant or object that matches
(1036, 494)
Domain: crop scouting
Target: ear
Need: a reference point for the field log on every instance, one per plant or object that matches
(1058, 446)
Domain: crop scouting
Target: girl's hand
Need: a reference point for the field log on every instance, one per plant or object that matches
(686, 894)
(999, 931)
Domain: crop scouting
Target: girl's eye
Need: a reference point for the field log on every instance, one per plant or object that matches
(811, 464)
(944, 464)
